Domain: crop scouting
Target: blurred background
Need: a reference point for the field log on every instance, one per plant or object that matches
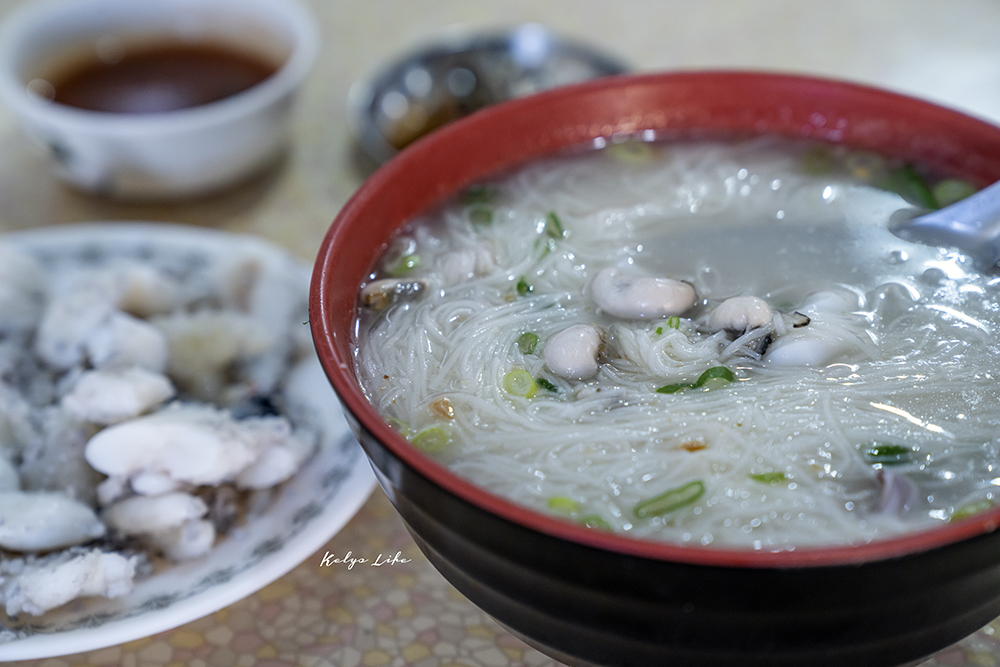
(946, 51)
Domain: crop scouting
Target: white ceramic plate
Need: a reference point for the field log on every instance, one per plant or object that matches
(310, 509)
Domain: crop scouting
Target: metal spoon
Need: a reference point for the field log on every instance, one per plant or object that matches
(971, 225)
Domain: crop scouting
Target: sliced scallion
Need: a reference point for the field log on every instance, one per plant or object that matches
(768, 477)
(520, 383)
(674, 388)
(670, 501)
(480, 214)
(431, 440)
(659, 331)
(546, 385)
(595, 521)
(564, 504)
(527, 342)
(524, 288)
(715, 372)
(553, 226)
(404, 265)
(951, 190)
(399, 426)
(818, 160)
(674, 322)
(631, 152)
(887, 454)
(715, 376)
(478, 194)
(972, 509)
(910, 185)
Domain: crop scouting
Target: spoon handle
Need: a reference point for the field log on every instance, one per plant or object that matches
(972, 225)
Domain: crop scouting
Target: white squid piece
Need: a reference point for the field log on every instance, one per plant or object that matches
(84, 319)
(123, 340)
(148, 483)
(52, 583)
(173, 523)
(70, 318)
(109, 396)
(640, 297)
(572, 353)
(187, 444)
(142, 515)
(144, 291)
(192, 539)
(276, 463)
(204, 344)
(41, 521)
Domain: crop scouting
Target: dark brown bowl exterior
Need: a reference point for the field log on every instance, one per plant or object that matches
(588, 596)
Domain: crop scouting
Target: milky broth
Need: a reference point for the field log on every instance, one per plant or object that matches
(894, 432)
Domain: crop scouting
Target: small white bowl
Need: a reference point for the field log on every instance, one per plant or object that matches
(159, 155)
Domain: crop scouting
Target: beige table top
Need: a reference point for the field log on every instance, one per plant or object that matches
(407, 614)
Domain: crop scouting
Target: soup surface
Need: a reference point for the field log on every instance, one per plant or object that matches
(815, 381)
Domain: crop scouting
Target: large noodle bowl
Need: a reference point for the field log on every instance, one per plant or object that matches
(826, 384)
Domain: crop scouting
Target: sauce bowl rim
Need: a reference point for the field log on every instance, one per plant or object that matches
(304, 49)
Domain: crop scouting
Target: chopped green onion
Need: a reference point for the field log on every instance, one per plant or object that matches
(524, 288)
(478, 194)
(769, 477)
(401, 256)
(818, 160)
(972, 509)
(595, 521)
(527, 342)
(553, 226)
(564, 504)
(887, 454)
(479, 199)
(674, 322)
(659, 331)
(910, 185)
(711, 378)
(674, 388)
(671, 500)
(716, 372)
(520, 383)
(431, 440)
(949, 191)
(480, 215)
(399, 426)
(546, 385)
(631, 152)
(404, 265)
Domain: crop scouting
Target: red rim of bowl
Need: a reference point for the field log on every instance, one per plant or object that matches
(512, 133)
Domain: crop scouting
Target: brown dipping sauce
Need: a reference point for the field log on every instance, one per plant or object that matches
(159, 78)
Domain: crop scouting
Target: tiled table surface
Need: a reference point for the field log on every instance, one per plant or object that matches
(406, 613)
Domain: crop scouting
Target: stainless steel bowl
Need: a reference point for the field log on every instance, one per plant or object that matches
(445, 81)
